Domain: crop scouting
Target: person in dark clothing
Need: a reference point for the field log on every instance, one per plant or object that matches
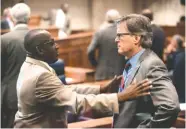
(177, 47)
(13, 55)
(161, 108)
(109, 63)
(179, 76)
(158, 38)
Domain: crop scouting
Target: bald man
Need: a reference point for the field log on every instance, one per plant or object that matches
(43, 100)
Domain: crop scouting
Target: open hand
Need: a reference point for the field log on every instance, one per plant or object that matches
(112, 86)
(135, 90)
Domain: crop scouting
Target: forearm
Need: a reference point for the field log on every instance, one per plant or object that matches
(102, 102)
(85, 88)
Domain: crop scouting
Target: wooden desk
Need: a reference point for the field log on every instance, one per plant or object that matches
(73, 50)
(80, 74)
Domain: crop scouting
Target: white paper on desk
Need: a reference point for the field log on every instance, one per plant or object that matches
(183, 106)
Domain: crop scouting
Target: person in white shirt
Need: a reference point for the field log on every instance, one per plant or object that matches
(62, 21)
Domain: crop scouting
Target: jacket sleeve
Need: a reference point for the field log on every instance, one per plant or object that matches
(92, 49)
(51, 92)
(3, 57)
(164, 97)
(85, 88)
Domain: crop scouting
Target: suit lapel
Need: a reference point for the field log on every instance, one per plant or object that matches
(132, 75)
(134, 71)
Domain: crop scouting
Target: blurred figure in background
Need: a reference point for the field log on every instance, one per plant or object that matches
(159, 37)
(62, 20)
(109, 62)
(110, 16)
(6, 22)
(179, 75)
(13, 55)
(175, 47)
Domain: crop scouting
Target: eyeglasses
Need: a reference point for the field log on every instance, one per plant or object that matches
(119, 35)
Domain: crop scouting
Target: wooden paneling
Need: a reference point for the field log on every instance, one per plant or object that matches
(73, 50)
(172, 30)
(169, 30)
(53, 30)
(35, 20)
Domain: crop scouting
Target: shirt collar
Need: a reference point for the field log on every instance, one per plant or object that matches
(20, 26)
(40, 63)
(134, 59)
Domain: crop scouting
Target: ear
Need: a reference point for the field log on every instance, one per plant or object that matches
(39, 50)
(136, 39)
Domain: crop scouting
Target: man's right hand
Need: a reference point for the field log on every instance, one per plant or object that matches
(135, 90)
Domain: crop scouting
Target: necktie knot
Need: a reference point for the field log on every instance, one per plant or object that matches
(127, 67)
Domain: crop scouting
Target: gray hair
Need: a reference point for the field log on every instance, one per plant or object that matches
(139, 25)
(20, 13)
(112, 15)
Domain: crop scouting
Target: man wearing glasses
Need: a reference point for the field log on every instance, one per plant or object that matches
(43, 101)
(160, 109)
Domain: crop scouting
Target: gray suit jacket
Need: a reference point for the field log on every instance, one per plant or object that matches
(43, 101)
(109, 62)
(13, 55)
(162, 105)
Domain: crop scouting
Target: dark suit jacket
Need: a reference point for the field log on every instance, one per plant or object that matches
(109, 62)
(4, 24)
(59, 67)
(162, 104)
(158, 40)
(12, 56)
(179, 76)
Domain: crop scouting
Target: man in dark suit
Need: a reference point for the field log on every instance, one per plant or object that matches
(158, 39)
(160, 109)
(179, 75)
(109, 62)
(13, 55)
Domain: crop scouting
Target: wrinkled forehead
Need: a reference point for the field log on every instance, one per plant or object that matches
(122, 27)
